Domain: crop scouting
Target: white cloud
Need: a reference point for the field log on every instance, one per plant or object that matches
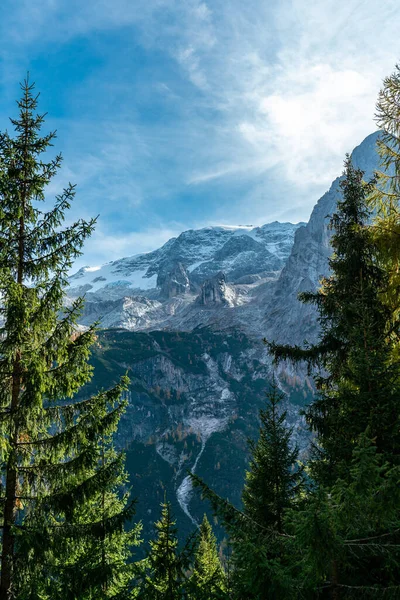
(188, 59)
(279, 92)
(294, 82)
(315, 115)
(105, 246)
(318, 101)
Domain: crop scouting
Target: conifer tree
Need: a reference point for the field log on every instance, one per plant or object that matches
(257, 535)
(347, 533)
(52, 469)
(207, 581)
(345, 539)
(165, 579)
(104, 558)
(359, 382)
(272, 485)
(273, 478)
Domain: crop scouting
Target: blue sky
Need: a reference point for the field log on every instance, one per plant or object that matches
(174, 114)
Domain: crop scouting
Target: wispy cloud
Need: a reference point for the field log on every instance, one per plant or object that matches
(250, 106)
(309, 97)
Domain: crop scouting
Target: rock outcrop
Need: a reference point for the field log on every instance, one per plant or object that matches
(173, 280)
(215, 291)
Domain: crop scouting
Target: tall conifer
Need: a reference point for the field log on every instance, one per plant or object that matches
(50, 445)
(207, 581)
(273, 483)
(165, 579)
(359, 382)
(346, 538)
(273, 478)
(257, 535)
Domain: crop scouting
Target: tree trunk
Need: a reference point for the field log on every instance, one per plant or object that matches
(335, 581)
(7, 557)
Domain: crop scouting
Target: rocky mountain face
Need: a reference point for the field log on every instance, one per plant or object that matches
(173, 281)
(286, 319)
(187, 322)
(167, 287)
(193, 403)
(215, 291)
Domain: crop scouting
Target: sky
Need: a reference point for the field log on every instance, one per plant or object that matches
(179, 114)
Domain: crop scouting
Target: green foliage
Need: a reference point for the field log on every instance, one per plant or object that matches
(166, 565)
(359, 380)
(260, 562)
(207, 580)
(273, 478)
(272, 485)
(62, 505)
(385, 198)
(345, 537)
(98, 566)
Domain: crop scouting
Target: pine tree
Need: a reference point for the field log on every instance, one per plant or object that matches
(50, 444)
(165, 579)
(208, 578)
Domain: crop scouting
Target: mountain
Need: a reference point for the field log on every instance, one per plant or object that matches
(194, 399)
(286, 319)
(187, 321)
(203, 253)
(167, 288)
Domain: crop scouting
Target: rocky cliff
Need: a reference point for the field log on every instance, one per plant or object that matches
(286, 319)
(193, 402)
(167, 288)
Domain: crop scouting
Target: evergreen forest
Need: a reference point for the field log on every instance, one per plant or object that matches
(322, 526)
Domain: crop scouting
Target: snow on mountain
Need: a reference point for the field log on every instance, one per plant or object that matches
(225, 276)
(115, 274)
(202, 252)
(161, 288)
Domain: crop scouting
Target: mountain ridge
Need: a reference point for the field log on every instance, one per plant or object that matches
(263, 270)
(164, 288)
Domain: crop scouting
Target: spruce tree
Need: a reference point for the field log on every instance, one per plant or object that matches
(358, 384)
(51, 445)
(208, 578)
(257, 534)
(273, 478)
(165, 578)
(345, 539)
(346, 535)
(272, 485)
(104, 558)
